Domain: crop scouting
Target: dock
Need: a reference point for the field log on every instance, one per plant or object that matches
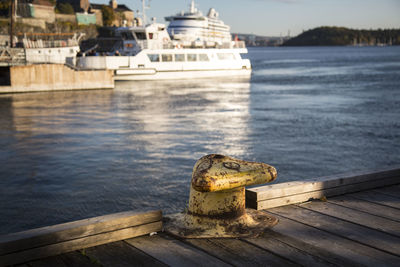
(336, 224)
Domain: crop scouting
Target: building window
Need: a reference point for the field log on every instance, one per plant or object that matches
(166, 57)
(192, 57)
(179, 57)
(154, 57)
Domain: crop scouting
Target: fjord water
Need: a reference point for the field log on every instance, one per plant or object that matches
(308, 111)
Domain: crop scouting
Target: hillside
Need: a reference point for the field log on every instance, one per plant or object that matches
(326, 36)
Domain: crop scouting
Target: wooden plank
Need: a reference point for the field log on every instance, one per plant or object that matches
(75, 244)
(393, 191)
(369, 207)
(391, 176)
(297, 250)
(239, 253)
(173, 252)
(341, 249)
(376, 197)
(74, 258)
(298, 198)
(120, 254)
(363, 235)
(74, 230)
(354, 216)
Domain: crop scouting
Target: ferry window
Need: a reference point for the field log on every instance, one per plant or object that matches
(154, 57)
(150, 35)
(179, 57)
(191, 57)
(127, 35)
(140, 35)
(166, 57)
(225, 56)
(203, 57)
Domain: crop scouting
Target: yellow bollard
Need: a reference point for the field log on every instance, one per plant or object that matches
(217, 200)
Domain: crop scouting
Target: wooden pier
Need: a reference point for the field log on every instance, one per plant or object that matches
(358, 228)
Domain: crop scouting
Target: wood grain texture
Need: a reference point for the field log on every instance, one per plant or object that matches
(240, 253)
(391, 176)
(368, 207)
(74, 258)
(378, 198)
(369, 237)
(354, 216)
(297, 250)
(174, 252)
(121, 254)
(308, 195)
(75, 244)
(74, 230)
(341, 248)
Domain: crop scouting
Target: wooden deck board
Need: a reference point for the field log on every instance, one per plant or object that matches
(74, 258)
(368, 207)
(340, 247)
(354, 216)
(121, 254)
(379, 198)
(393, 191)
(296, 250)
(361, 234)
(174, 252)
(239, 253)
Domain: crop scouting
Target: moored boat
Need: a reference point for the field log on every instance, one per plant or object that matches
(149, 53)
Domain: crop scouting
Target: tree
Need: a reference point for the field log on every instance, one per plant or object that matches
(108, 15)
(65, 8)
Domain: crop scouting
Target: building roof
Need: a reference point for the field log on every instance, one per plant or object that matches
(120, 8)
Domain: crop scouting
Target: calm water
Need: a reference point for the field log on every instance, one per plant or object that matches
(308, 111)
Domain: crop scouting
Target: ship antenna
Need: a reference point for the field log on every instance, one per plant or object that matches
(192, 7)
(144, 7)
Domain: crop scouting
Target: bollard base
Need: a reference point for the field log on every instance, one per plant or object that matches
(251, 224)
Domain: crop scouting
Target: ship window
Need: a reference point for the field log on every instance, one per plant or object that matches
(127, 35)
(191, 57)
(166, 57)
(154, 57)
(225, 56)
(203, 57)
(140, 35)
(150, 35)
(179, 57)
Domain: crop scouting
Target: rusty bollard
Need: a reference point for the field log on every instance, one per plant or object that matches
(217, 200)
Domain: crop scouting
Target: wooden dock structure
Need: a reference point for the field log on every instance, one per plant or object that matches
(358, 227)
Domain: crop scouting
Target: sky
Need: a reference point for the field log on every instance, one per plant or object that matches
(283, 17)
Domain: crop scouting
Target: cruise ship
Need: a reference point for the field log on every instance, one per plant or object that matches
(181, 51)
(193, 26)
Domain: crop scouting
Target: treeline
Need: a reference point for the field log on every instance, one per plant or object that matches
(326, 36)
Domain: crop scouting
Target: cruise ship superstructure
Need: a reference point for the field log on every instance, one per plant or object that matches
(153, 52)
(193, 26)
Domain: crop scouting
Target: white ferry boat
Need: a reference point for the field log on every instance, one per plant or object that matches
(149, 53)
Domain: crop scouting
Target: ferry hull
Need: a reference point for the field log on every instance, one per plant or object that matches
(174, 75)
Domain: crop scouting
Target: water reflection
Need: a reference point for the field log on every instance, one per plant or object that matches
(73, 155)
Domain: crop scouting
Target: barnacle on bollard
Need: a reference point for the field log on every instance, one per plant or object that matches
(217, 200)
